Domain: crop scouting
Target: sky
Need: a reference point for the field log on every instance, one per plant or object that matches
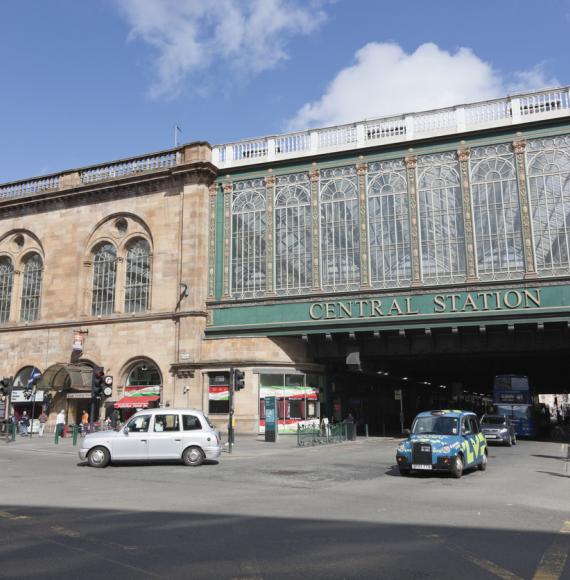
(83, 82)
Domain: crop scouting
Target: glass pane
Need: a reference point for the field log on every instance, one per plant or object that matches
(104, 275)
(137, 282)
(31, 288)
(6, 283)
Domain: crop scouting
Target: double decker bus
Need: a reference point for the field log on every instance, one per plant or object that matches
(513, 397)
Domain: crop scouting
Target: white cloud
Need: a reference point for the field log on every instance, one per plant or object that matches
(249, 36)
(385, 80)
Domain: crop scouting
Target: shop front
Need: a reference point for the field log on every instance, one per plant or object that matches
(143, 385)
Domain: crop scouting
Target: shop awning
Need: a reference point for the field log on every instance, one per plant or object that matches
(135, 402)
(60, 376)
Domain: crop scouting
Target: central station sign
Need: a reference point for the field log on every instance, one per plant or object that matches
(439, 304)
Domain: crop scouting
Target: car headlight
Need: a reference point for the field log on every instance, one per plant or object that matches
(402, 447)
(446, 449)
(503, 430)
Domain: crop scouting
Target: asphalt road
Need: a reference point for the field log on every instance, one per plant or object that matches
(270, 511)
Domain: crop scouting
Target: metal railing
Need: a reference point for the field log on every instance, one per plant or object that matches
(311, 435)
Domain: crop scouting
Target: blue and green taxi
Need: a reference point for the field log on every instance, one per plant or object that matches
(449, 441)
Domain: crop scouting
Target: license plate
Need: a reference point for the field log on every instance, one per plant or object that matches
(491, 436)
(421, 466)
(426, 448)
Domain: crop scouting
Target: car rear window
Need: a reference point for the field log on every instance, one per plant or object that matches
(190, 423)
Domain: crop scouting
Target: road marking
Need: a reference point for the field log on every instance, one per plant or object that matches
(486, 565)
(9, 516)
(554, 559)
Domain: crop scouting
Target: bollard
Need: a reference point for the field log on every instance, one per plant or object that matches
(75, 430)
(366, 430)
(13, 430)
(56, 434)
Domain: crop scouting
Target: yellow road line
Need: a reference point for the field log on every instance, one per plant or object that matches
(553, 560)
(486, 565)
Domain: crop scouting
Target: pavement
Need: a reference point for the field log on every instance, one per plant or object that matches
(279, 511)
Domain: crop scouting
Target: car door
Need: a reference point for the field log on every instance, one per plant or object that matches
(164, 440)
(468, 441)
(194, 433)
(477, 439)
(132, 441)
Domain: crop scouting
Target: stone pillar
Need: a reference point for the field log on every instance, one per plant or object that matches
(470, 258)
(519, 147)
(228, 190)
(16, 298)
(411, 162)
(314, 176)
(269, 242)
(362, 171)
(120, 280)
(213, 191)
(87, 280)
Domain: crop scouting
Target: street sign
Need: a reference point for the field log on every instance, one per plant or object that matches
(107, 391)
(397, 394)
(271, 419)
(109, 380)
(19, 396)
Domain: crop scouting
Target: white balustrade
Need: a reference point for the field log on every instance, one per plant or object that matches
(385, 129)
(124, 168)
(337, 136)
(24, 188)
(293, 143)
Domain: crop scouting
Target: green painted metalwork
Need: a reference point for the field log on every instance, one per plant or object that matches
(311, 435)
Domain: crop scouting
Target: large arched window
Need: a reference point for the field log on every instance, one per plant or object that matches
(389, 226)
(143, 374)
(340, 229)
(549, 188)
(293, 238)
(6, 284)
(31, 287)
(249, 219)
(137, 282)
(441, 219)
(496, 213)
(104, 279)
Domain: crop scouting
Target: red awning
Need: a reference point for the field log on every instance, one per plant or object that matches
(135, 402)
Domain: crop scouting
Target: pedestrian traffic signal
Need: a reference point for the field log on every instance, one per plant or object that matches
(239, 380)
(98, 382)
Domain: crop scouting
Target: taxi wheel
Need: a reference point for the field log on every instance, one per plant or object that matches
(509, 442)
(193, 456)
(457, 469)
(483, 464)
(98, 457)
(514, 439)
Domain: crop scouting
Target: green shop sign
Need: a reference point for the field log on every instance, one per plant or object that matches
(280, 317)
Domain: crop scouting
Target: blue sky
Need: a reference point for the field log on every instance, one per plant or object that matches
(85, 82)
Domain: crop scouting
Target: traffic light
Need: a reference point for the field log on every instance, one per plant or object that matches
(98, 382)
(6, 386)
(239, 380)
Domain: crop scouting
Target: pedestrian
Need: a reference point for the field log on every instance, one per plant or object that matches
(60, 423)
(24, 424)
(84, 422)
(43, 420)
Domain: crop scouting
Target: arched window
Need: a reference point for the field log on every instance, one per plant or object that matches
(441, 218)
(137, 283)
(549, 188)
(340, 229)
(293, 237)
(389, 226)
(104, 278)
(249, 219)
(496, 213)
(31, 288)
(144, 374)
(6, 283)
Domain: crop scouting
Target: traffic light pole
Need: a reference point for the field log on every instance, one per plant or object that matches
(231, 413)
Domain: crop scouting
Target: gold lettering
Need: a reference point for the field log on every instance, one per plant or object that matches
(485, 296)
(439, 302)
(346, 310)
(312, 311)
(534, 299)
(469, 301)
(395, 306)
(361, 304)
(508, 304)
(454, 298)
(330, 310)
(409, 307)
(376, 308)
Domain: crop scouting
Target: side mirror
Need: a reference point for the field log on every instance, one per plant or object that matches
(126, 430)
(406, 432)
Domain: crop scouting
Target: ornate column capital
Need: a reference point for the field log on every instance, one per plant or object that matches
(314, 174)
(228, 187)
(213, 189)
(411, 161)
(361, 168)
(270, 180)
(463, 154)
(519, 146)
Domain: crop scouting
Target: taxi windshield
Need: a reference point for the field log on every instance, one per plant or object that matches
(489, 420)
(435, 426)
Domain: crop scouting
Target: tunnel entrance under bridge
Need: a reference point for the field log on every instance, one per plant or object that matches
(367, 372)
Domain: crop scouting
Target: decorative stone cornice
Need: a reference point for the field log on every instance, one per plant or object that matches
(463, 154)
(519, 146)
(411, 162)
